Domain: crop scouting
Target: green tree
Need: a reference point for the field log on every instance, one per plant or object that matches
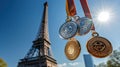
(2, 63)
(114, 59)
(102, 65)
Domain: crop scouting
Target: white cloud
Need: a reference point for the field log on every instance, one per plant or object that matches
(62, 65)
(74, 64)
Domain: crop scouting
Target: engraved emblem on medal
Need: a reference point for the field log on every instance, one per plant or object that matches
(98, 46)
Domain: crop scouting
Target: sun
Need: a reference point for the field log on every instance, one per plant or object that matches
(103, 16)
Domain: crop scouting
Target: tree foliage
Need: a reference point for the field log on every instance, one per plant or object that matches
(102, 65)
(2, 63)
(114, 60)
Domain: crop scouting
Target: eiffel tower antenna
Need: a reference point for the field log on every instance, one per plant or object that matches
(43, 30)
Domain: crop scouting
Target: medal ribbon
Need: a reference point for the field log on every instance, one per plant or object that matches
(86, 11)
(70, 8)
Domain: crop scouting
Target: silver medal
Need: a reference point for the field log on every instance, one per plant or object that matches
(84, 25)
(68, 30)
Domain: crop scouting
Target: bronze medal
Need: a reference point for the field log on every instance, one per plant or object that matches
(72, 49)
(98, 46)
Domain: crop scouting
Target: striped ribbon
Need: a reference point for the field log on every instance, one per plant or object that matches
(70, 8)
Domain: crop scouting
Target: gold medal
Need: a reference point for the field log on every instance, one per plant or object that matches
(72, 49)
(98, 46)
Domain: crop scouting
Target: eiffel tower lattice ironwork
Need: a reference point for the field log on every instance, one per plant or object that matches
(40, 53)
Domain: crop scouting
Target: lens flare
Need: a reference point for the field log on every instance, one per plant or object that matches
(103, 16)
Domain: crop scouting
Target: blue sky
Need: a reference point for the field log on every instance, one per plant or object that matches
(20, 20)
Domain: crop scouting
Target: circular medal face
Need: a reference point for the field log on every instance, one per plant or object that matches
(72, 49)
(68, 30)
(99, 47)
(85, 25)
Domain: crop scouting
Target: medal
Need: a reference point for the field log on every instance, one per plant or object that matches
(84, 25)
(68, 30)
(98, 46)
(72, 49)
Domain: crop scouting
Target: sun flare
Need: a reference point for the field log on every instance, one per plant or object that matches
(103, 16)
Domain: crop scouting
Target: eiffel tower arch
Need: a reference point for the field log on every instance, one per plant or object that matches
(40, 54)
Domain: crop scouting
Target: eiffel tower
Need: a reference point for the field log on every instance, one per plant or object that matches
(40, 53)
